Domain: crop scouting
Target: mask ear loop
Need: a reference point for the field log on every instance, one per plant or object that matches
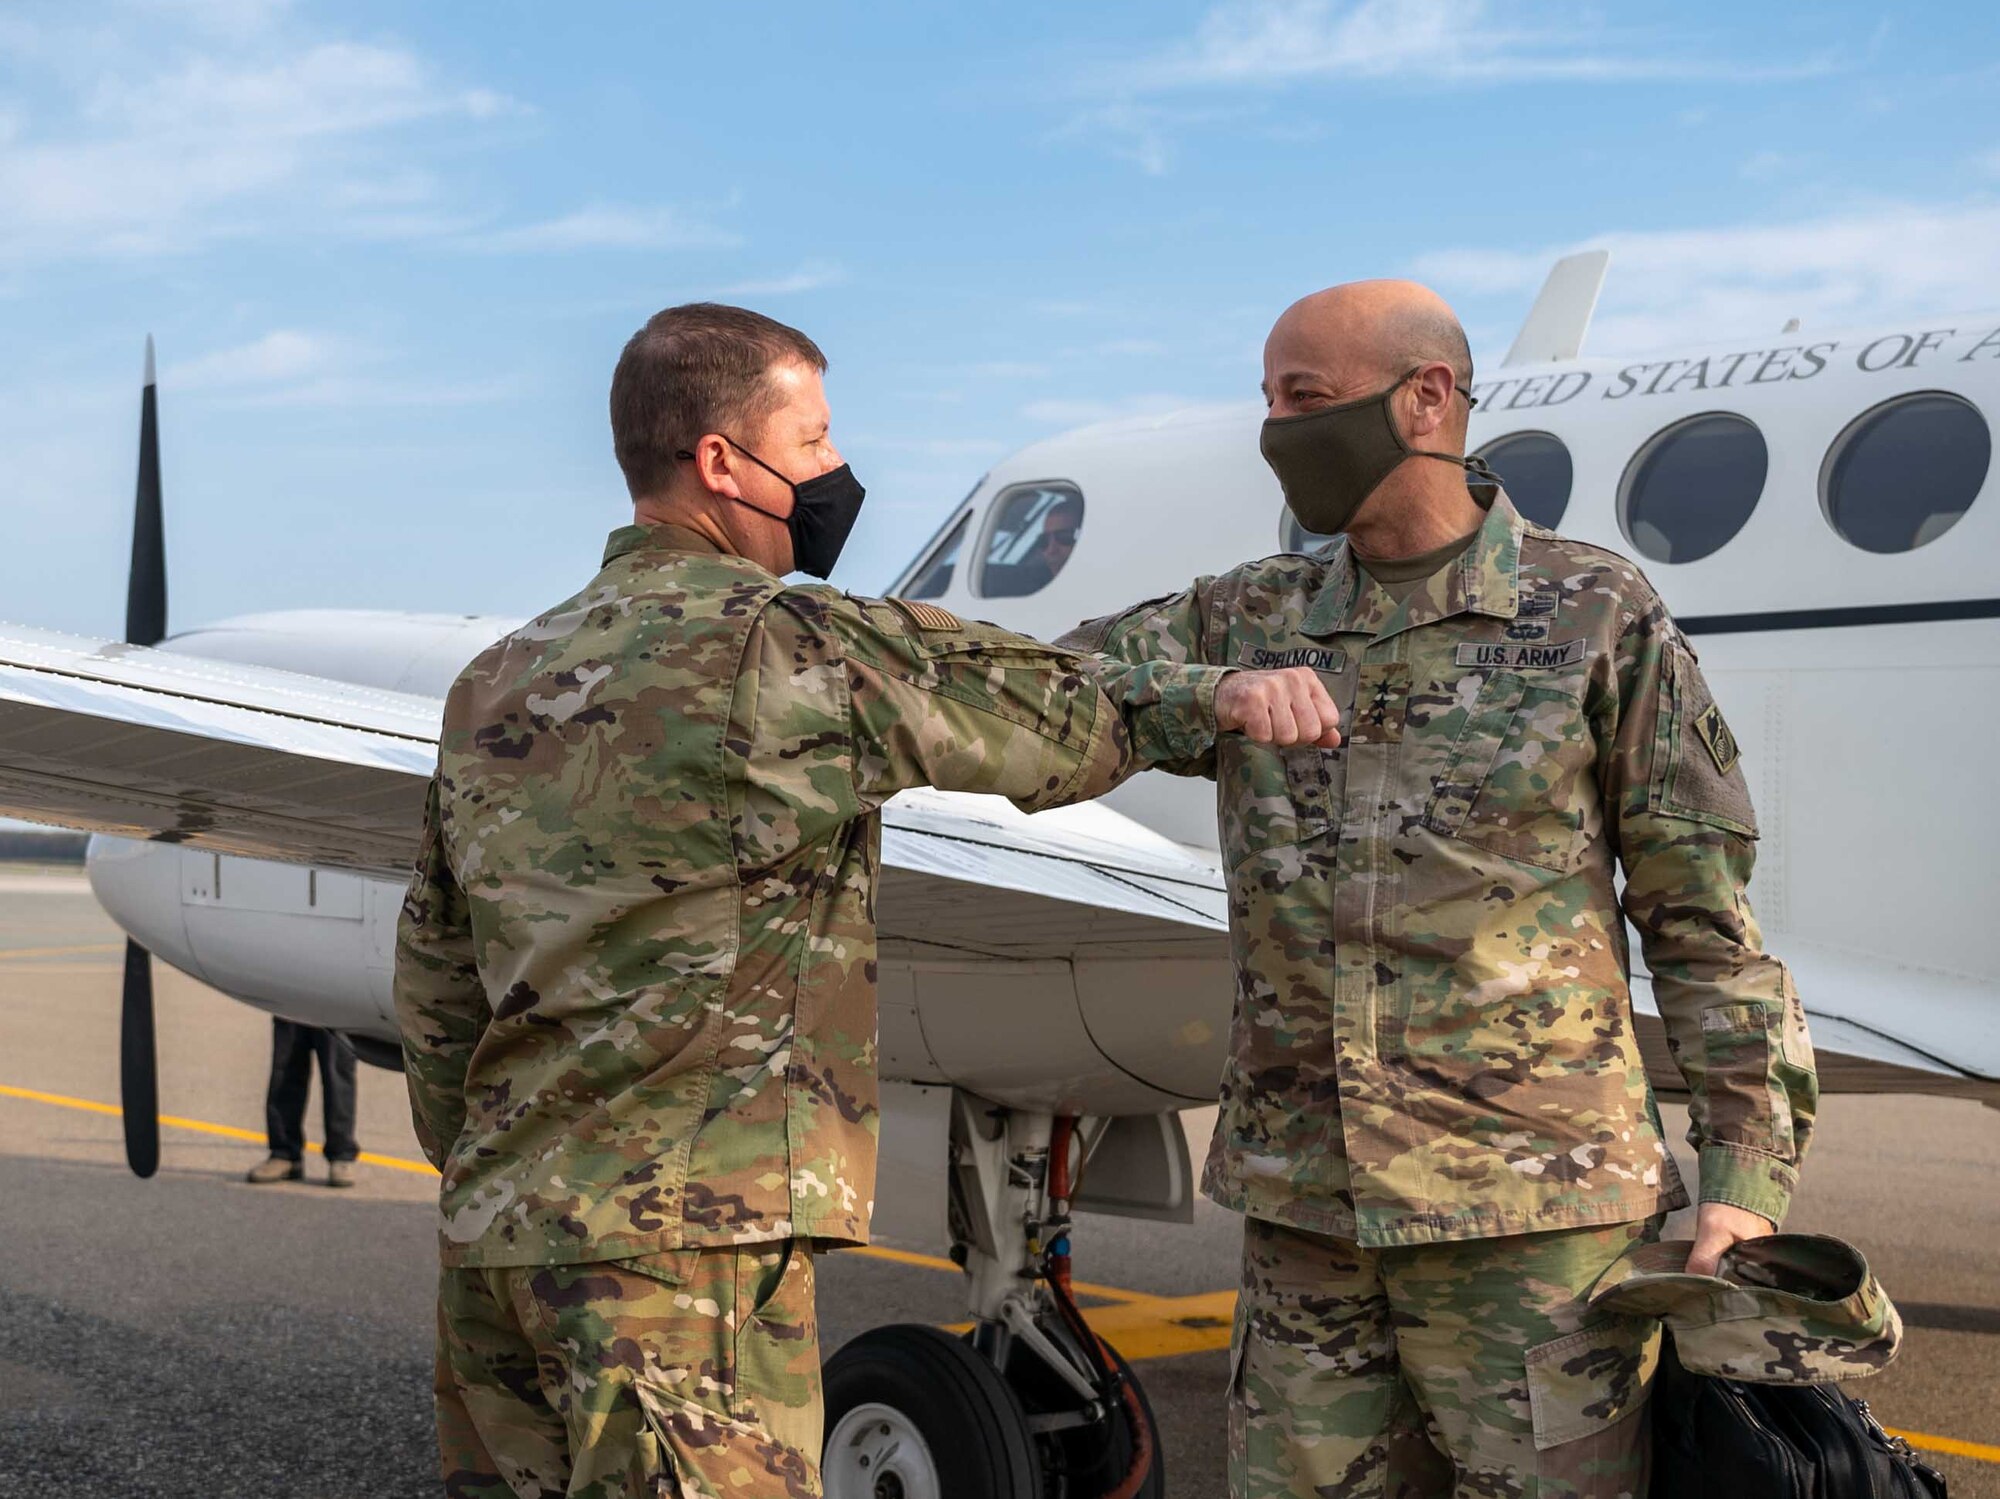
(1481, 481)
(686, 457)
(1479, 476)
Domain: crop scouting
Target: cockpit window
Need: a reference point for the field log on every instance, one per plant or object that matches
(1033, 534)
(1692, 487)
(1903, 472)
(933, 575)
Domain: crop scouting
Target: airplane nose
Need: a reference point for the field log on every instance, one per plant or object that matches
(139, 885)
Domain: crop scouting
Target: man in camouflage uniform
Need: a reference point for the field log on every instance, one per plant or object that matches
(1434, 1112)
(635, 971)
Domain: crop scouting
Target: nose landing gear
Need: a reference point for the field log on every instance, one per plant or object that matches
(1030, 1404)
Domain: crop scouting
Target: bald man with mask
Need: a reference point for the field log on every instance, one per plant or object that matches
(1434, 1114)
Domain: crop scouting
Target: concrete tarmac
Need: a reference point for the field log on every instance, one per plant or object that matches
(196, 1336)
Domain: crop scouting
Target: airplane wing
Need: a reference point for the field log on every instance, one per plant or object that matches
(1877, 1027)
(111, 738)
(149, 744)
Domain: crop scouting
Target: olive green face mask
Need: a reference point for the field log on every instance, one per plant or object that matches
(1329, 461)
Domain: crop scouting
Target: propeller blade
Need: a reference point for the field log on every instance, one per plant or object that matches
(146, 584)
(145, 624)
(138, 1080)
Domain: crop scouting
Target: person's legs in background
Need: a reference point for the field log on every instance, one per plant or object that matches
(337, 1101)
(285, 1104)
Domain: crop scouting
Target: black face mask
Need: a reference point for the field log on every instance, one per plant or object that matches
(824, 508)
(1329, 461)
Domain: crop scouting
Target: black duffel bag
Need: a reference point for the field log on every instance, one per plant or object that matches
(1729, 1439)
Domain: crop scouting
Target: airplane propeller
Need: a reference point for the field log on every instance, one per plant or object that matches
(145, 624)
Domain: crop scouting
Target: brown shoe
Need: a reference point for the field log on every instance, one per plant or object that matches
(275, 1169)
(340, 1173)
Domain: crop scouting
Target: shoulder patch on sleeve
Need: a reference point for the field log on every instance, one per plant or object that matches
(1715, 734)
(1702, 784)
(926, 616)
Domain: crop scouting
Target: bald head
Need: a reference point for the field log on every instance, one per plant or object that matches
(1348, 341)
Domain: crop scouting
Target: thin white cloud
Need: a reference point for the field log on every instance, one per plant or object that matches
(605, 227)
(1274, 41)
(1119, 348)
(1086, 411)
(333, 88)
(1127, 131)
(251, 131)
(1870, 264)
(229, 18)
(232, 138)
(1769, 166)
(290, 367)
(809, 277)
(1138, 108)
(280, 356)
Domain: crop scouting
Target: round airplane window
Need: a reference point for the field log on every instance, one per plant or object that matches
(1536, 471)
(1690, 489)
(1903, 472)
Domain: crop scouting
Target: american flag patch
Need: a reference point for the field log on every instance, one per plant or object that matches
(926, 616)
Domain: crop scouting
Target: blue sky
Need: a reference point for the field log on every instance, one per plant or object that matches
(390, 252)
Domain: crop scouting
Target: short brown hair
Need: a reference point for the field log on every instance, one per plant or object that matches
(691, 370)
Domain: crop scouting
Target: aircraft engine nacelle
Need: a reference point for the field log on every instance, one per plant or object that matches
(1111, 1037)
(314, 945)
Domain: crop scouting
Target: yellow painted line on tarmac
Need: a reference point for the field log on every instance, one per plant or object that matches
(1166, 1326)
(1137, 1325)
(200, 1126)
(1143, 1327)
(9, 954)
(1977, 1451)
(938, 1262)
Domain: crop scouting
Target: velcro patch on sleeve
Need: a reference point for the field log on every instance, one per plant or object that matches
(1515, 655)
(1715, 734)
(926, 616)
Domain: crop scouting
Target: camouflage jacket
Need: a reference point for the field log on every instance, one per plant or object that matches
(1434, 1035)
(635, 972)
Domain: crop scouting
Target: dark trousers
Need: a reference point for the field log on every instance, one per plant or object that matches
(293, 1047)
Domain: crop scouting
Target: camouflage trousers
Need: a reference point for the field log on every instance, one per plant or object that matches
(1462, 1369)
(687, 1374)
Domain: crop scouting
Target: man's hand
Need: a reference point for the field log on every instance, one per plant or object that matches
(1284, 707)
(1719, 1225)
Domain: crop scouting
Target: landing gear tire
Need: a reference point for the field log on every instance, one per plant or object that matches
(1081, 1462)
(913, 1413)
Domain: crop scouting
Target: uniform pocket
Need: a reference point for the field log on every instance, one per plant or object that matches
(704, 1454)
(1311, 775)
(1511, 782)
(1697, 773)
(1588, 1392)
(1740, 1044)
(1269, 798)
(777, 1343)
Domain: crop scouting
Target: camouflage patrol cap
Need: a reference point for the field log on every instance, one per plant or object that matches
(1787, 1309)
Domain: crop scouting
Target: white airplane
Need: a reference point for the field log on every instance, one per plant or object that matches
(1808, 504)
